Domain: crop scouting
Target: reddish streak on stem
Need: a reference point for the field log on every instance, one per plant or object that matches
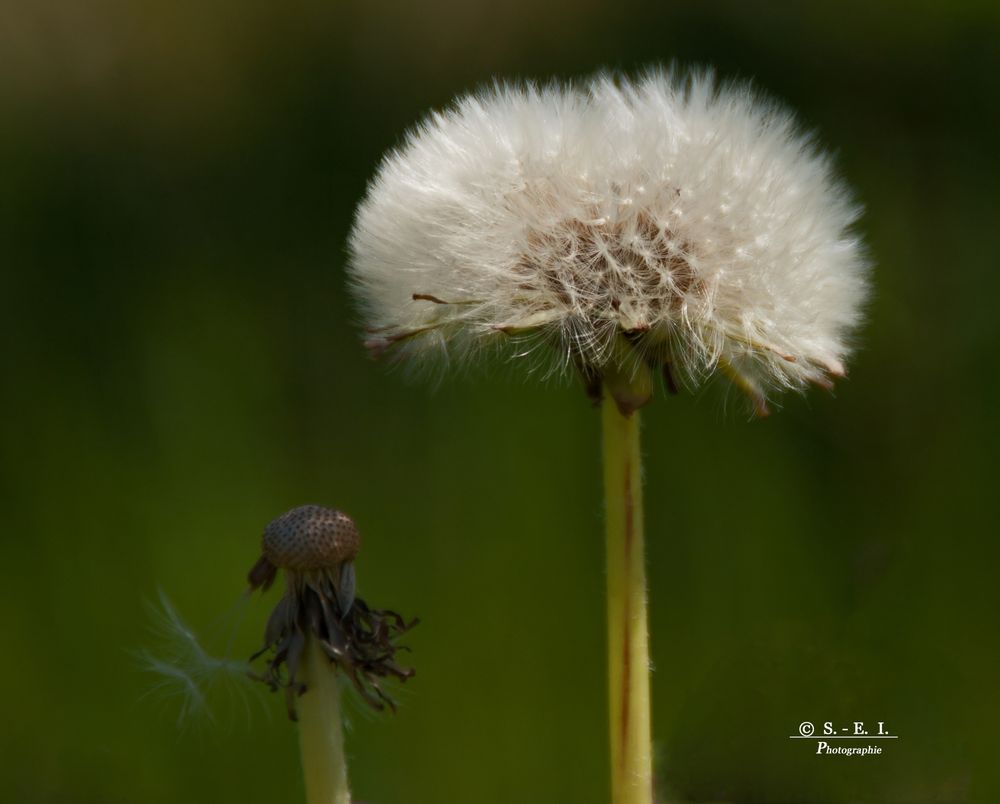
(626, 658)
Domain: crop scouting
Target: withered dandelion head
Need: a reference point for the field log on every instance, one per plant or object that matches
(669, 224)
(316, 548)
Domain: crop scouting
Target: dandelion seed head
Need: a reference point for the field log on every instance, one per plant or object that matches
(669, 221)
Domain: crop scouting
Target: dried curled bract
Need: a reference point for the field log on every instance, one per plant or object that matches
(316, 547)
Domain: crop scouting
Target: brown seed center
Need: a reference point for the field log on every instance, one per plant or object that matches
(311, 537)
(609, 270)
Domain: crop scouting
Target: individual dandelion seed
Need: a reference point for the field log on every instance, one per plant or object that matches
(320, 627)
(668, 226)
(186, 671)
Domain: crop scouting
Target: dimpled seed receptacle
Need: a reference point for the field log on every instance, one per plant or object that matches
(311, 537)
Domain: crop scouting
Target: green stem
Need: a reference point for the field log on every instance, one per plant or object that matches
(628, 646)
(321, 735)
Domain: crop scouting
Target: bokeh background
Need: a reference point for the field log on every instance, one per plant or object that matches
(181, 363)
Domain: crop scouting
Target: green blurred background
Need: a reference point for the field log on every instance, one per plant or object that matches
(182, 364)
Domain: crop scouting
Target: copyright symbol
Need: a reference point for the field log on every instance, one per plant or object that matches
(806, 728)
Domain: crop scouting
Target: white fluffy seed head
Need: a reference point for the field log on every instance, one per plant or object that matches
(690, 222)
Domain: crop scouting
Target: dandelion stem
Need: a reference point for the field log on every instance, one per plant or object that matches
(628, 643)
(321, 734)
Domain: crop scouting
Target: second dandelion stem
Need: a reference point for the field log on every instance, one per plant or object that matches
(628, 643)
(321, 734)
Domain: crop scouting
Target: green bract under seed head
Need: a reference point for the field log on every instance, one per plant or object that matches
(311, 537)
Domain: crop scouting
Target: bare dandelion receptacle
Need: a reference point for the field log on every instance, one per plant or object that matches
(319, 629)
(316, 548)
